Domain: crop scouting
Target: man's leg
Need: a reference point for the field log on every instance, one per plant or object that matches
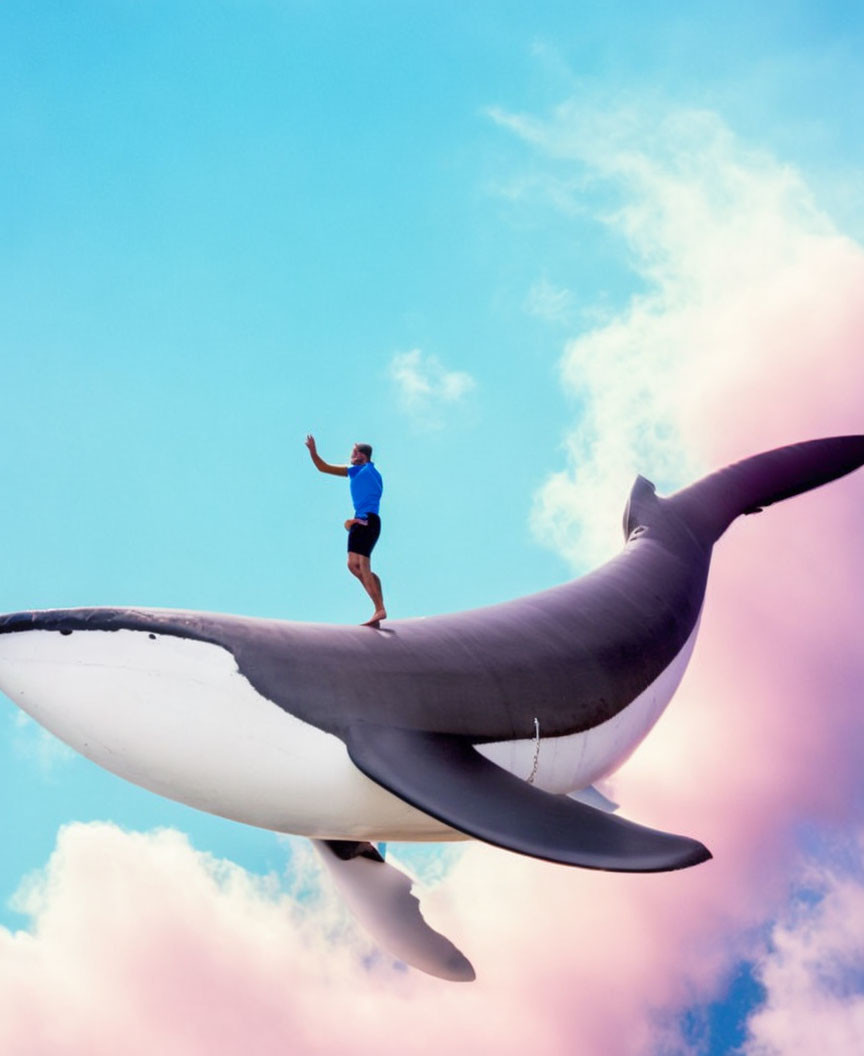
(360, 566)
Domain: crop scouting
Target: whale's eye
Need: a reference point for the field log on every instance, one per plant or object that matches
(65, 630)
(153, 636)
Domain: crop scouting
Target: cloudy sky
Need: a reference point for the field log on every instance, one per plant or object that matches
(527, 251)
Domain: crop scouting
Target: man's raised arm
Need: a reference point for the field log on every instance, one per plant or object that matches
(324, 467)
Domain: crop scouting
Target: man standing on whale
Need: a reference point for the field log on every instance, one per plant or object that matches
(365, 526)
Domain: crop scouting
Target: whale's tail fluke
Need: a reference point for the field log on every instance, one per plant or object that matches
(710, 505)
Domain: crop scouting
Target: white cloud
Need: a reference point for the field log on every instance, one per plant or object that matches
(814, 976)
(424, 388)
(550, 302)
(748, 288)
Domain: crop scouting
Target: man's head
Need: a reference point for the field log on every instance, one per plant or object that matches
(361, 454)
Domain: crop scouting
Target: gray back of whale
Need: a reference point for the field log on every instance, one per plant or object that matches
(571, 657)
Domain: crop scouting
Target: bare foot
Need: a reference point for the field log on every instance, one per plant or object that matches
(377, 617)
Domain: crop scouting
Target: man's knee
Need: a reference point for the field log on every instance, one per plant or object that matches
(355, 565)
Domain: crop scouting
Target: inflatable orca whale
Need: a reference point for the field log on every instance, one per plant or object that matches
(492, 724)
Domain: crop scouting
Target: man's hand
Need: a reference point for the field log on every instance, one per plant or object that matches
(320, 464)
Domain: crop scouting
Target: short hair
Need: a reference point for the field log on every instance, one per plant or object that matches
(365, 449)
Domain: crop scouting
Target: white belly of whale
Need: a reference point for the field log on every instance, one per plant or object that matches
(175, 716)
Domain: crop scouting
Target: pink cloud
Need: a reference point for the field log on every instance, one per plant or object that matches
(751, 337)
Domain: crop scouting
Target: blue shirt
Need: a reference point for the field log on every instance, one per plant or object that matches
(366, 488)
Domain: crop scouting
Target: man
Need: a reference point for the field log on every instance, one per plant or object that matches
(365, 526)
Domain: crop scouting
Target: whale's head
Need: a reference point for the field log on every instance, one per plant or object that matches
(158, 698)
(114, 684)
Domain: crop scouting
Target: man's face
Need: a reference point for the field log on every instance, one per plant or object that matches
(357, 457)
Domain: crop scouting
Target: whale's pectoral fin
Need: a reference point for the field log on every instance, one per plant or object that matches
(379, 895)
(444, 776)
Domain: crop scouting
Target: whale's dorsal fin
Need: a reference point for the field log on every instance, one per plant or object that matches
(643, 494)
(442, 775)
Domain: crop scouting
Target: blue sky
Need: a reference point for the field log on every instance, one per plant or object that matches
(221, 223)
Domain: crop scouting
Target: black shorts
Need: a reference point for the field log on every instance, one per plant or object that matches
(363, 537)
